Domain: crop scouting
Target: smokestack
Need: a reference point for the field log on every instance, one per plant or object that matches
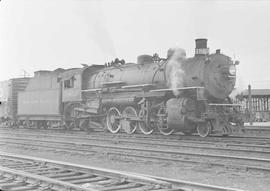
(201, 47)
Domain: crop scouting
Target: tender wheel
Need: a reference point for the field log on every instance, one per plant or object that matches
(27, 124)
(162, 122)
(38, 124)
(143, 126)
(70, 124)
(113, 120)
(204, 129)
(129, 122)
(45, 126)
(67, 125)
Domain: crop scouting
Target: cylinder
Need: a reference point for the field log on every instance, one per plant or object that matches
(179, 113)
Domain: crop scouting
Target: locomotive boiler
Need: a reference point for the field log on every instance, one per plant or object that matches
(172, 94)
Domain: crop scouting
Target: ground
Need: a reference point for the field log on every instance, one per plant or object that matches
(204, 173)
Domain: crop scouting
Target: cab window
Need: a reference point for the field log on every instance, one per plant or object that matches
(69, 83)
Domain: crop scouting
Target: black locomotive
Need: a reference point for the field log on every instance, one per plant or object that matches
(172, 94)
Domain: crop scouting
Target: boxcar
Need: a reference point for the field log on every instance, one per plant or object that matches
(3, 100)
(9, 97)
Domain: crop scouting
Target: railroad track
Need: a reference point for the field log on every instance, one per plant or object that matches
(220, 147)
(153, 137)
(232, 147)
(258, 129)
(153, 154)
(18, 172)
(242, 136)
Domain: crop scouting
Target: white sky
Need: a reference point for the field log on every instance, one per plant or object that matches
(48, 34)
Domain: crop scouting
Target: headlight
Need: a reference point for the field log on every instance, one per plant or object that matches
(232, 70)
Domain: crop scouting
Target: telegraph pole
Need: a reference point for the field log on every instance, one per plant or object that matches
(250, 105)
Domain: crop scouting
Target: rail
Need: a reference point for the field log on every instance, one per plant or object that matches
(32, 172)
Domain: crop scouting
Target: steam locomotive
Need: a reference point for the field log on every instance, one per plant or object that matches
(172, 94)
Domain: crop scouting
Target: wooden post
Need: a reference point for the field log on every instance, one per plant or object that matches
(266, 104)
(250, 105)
